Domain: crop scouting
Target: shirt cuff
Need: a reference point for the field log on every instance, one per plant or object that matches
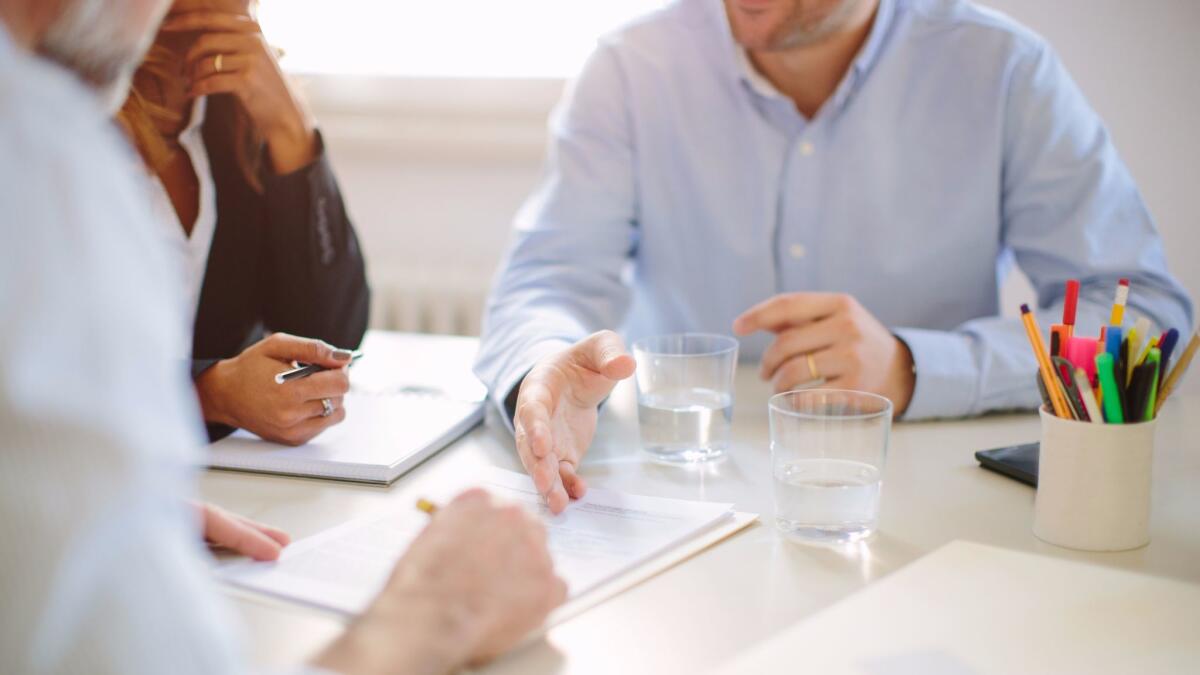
(947, 377)
(316, 170)
(506, 383)
(200, 366)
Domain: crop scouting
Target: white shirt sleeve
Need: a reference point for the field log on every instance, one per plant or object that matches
(101, 565)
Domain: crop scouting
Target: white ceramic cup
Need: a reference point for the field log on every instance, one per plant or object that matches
(1094, 484)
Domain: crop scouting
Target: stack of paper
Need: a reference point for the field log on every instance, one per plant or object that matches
(599, 538)
(411, 395)
(970, 609)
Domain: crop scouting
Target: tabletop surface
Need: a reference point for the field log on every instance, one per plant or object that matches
(710, 608)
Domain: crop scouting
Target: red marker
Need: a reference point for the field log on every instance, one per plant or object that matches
(1070, 305)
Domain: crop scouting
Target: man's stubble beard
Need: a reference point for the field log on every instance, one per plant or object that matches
(808, 36)
(93, 39)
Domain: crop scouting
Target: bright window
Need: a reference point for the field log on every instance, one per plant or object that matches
(430, 38)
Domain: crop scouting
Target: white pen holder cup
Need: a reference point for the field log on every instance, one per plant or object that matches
(1093, 489)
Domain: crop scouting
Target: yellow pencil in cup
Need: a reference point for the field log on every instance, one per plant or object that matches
(1177, 372)
(1118, 308)
(1058, 400)
(426, 506)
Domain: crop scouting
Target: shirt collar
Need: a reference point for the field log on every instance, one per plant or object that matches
(757, 82)
(197, 118)
(744, 69)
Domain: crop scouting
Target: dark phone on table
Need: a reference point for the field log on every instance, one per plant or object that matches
(1019, 462)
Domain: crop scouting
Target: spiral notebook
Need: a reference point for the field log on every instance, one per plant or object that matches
(410, 396)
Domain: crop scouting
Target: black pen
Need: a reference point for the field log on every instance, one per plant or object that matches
(306, 369)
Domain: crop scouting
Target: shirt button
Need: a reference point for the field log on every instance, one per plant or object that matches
(806, 148)
(797, 251)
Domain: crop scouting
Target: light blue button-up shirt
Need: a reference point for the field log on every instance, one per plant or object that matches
(682, 189)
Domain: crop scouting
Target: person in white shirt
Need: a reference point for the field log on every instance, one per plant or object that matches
(101, 567)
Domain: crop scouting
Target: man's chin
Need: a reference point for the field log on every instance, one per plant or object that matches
(768, 34)
(755, 34)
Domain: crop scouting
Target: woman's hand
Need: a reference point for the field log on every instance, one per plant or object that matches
(242, 391)
(231, 532)
(231, 38)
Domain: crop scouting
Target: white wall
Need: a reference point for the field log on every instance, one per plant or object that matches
(434, 170)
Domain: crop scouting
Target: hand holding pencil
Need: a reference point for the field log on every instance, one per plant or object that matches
(470, 606)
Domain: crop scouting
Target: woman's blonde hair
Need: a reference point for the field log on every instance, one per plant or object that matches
(141, 115)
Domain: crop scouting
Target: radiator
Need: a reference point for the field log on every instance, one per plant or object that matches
(447, 304)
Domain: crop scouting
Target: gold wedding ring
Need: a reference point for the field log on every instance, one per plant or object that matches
(217, 62)
(812, 367)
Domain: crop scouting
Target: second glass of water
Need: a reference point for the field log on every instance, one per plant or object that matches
(685, 395)
(827, 453)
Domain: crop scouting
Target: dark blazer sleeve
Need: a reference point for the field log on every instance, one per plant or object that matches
(201, 365)
(313, 279)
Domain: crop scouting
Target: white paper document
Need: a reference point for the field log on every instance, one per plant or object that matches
(970, 609)
(599, 537)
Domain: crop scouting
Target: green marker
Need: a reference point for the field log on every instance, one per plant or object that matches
(1108, 387)
(1155, 358)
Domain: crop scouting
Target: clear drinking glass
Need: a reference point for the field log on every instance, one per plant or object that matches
(685, 395)
(828, 448)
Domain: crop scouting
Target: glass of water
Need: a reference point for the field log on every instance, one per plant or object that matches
(685, 395)
(827, 454)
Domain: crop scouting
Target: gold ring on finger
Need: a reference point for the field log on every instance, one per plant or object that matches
(812, 367)
(218, 62)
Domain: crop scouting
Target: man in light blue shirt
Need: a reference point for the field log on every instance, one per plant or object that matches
(844, 182)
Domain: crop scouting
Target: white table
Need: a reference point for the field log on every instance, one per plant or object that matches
(703, 612)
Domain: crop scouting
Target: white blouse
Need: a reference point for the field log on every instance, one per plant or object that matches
(189, 254)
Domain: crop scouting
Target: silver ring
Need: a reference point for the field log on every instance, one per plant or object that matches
(328, 407)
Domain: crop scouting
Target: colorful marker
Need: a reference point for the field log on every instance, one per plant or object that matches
(1059, 335)
(1112, 341)
(1081, 352)
(1108, 385)
(1069, 306)
(1153, 359)
(1138, 335)
(1167, 346)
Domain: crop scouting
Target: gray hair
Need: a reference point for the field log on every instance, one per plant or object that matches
(103, 41)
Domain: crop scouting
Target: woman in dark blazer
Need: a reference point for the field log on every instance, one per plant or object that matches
(253, 212)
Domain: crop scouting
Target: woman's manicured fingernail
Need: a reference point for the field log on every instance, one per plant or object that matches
(342, 354)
